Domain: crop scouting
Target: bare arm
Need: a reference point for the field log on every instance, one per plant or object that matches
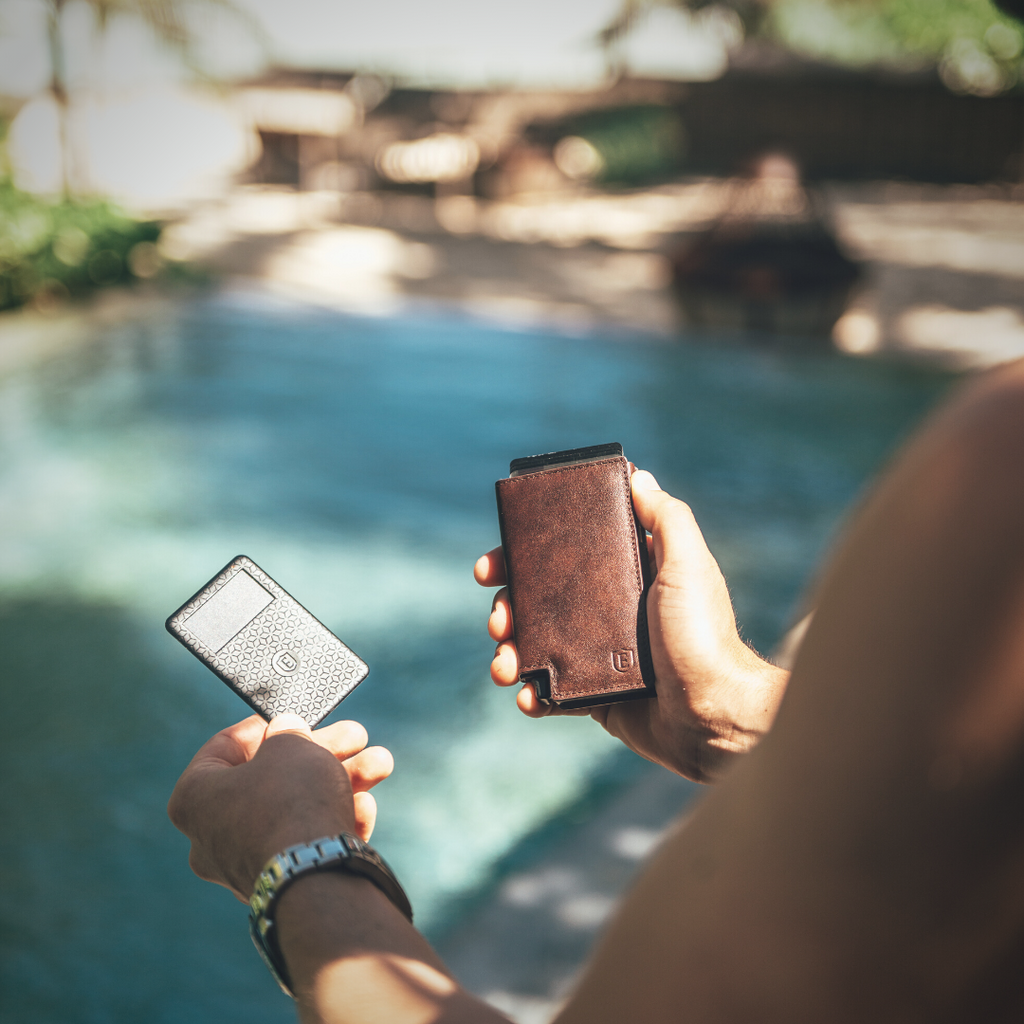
(354, 959)
(254, 790)
(864, 863)
(350, 955)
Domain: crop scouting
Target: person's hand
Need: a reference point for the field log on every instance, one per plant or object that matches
(716, 697)
(255, 789)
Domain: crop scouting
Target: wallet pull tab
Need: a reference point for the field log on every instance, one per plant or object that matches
(541, 680)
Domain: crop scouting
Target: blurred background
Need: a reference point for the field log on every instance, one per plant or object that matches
(298, 280)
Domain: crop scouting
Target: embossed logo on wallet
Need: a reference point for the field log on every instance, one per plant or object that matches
(622, 661)
(285, 663)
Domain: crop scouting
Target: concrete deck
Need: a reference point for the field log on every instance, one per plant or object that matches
(523, 946)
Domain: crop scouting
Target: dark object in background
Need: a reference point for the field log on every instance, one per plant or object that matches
(771, 264)
(277, 657)
(1015, 8)
(576, 560)
(841, 124)
(780, 280)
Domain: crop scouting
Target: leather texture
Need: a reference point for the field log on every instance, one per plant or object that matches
(577, 581)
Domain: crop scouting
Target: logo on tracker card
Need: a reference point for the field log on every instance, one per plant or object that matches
(285, 663)
(622, 661)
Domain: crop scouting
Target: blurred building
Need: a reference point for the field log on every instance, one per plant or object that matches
(843, 124)
(351, 132)
(644, 203)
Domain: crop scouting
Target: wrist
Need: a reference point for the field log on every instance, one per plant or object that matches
(756, 686)
(353, 957)
(283, 836)
(300, 916)
(723, 715)
(324, 918)
(343, 852)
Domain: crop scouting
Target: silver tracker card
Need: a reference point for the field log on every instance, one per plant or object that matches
(266, 646)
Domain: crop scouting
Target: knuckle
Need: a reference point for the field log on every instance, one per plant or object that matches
(679, 516)
(682, 509)
(176, 808)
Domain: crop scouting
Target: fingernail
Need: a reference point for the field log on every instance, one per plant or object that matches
(645, 481)
(288, 723)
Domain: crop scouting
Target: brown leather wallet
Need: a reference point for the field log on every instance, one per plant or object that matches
(576, 559)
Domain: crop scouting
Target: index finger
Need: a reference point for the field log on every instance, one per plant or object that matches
(342, 739)
(489, 570)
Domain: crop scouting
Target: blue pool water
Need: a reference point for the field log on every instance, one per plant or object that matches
(354, 460)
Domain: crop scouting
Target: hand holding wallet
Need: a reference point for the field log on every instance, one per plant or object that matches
(577, 568)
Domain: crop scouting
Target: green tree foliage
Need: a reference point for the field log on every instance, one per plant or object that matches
(635, 144)
(52, 251)
(976, 47)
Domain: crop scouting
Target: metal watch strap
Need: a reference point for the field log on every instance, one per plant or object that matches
(343, 852)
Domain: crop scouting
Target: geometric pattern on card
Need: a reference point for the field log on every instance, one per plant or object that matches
(269, 649)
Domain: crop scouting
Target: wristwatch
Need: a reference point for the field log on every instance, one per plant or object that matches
(343, 852)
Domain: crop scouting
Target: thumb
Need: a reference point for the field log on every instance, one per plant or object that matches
(648, 498)
(288, 723)
(670, 522)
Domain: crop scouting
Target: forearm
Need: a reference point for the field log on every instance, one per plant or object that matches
(354, 959)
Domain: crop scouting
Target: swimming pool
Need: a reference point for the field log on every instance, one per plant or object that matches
(354, 459)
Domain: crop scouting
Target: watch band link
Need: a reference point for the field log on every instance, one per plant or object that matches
(343, 852)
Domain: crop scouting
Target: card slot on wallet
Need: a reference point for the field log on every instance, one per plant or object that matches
(576, 560)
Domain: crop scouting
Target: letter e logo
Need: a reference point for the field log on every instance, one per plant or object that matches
(285, 663)
(622, 661)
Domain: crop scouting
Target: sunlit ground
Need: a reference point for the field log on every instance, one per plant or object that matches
(944, 264)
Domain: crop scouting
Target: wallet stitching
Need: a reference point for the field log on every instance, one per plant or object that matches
(631, 516)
